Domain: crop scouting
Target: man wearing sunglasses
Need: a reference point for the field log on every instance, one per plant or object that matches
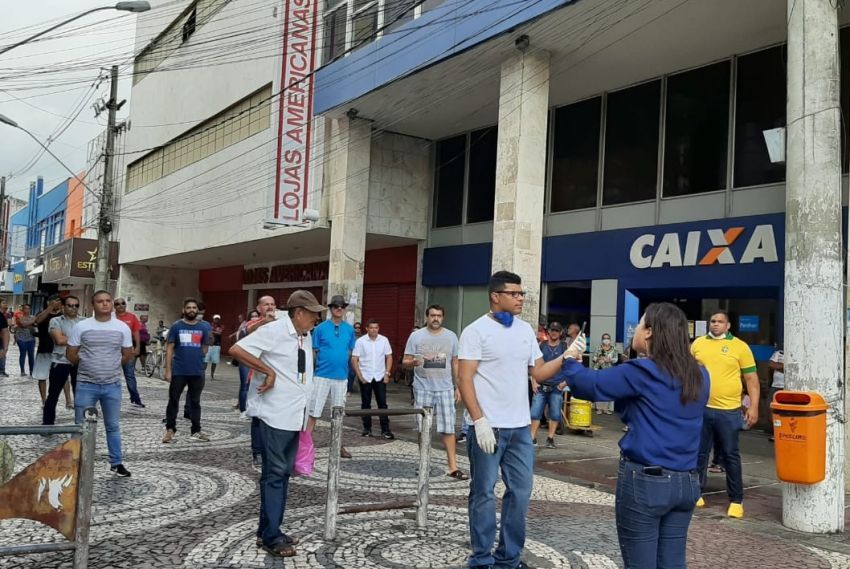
(132, 321)
(282, 351)
(60, 368)
(333, 341)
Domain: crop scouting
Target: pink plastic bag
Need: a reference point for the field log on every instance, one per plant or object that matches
(306, 455)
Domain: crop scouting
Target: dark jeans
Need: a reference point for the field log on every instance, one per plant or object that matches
(27, 350)
(59, 374)
(130, 378)
(721, 427)
(653, 513)
(514, 457)
(243, 386)
(256, 437)
(175, 390)
(279, 450)
(379, 388)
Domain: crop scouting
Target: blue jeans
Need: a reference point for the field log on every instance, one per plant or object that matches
(279, 449)
(515, 457)
(243, 386)
(109, 396)
(653, 512)
(720, 427)
(130, 377)
(554, 399)
(27, 349)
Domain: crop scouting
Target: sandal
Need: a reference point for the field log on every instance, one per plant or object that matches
(281, 549)
(457, 475)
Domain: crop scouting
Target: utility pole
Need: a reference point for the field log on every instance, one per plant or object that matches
(813, 259)
(104, 225)
(3, 222)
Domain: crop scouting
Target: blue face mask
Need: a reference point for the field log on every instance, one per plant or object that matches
(504, 318)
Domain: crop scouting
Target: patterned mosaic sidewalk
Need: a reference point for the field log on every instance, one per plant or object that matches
(193, 505)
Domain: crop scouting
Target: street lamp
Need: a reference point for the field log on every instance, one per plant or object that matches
(131, 6)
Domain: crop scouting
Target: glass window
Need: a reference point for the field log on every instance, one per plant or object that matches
(575, 160)
(430, 4)
(335, 23)
(397, 13)
(476, 302)
(482, 175)
(760, 106)
(451, 163)
(697, 131)
(365, 25)
(845, 96)
(631, 144)
(449, 298)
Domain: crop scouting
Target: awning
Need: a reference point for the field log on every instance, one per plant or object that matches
(36, 271)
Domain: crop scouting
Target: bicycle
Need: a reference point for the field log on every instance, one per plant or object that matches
(155, 359)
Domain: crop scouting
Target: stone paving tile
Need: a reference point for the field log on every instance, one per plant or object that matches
(194, 506)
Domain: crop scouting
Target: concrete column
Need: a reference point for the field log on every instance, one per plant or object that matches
(603, 310)
(521, 172)
(347, 169)
(813, 260)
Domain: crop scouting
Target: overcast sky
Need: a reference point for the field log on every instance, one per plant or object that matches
(44, 82)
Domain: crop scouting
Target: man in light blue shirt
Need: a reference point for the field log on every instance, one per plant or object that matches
(333, 341)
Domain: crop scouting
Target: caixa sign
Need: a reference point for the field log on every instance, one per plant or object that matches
(705, 247)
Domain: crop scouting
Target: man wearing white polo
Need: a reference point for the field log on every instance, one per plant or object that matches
(372, 359)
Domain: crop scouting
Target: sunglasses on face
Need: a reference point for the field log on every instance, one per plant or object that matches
(120, 303)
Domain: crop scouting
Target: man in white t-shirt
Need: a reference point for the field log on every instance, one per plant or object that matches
(282, 351)
(99, 347)
(372, 360)
(497, 353)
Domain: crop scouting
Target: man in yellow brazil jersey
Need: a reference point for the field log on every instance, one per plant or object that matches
(727, 359)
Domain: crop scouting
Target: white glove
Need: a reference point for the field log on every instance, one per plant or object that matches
(484, 435)
(577, 348)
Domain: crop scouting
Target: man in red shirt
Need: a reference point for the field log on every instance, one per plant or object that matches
(135, 326)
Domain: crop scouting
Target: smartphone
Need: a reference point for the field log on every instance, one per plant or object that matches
(653, 470)
(583, 327)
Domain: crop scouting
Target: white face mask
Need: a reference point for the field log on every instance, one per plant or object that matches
(606, 342)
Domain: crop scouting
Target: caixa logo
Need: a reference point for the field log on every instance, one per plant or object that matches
(683, 250)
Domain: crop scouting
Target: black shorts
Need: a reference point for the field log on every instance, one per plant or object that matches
(143, 348)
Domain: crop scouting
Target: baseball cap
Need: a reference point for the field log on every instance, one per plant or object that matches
(338, 300)
(556, 326)
(304, 299)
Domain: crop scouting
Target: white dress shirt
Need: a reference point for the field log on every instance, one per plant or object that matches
(276, 344)
(372, 355)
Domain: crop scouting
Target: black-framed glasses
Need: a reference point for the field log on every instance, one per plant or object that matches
(512, 293)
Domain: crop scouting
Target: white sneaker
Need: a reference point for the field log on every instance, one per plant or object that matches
(244, 416)
(200, 437)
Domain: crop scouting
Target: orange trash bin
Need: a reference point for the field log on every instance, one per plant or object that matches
(799, 432)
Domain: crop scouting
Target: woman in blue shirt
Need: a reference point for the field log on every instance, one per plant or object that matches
(661, 398)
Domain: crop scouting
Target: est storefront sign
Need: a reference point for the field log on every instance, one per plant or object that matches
(77, 258)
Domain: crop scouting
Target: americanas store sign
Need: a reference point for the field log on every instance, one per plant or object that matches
(705, 247)
(295, 113)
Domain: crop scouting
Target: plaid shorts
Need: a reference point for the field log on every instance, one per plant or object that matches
(322, 387)
(443, 402)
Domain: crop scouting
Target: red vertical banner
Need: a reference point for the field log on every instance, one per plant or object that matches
(295, 112)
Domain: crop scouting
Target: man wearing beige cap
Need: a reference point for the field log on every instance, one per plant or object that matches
(282, 351)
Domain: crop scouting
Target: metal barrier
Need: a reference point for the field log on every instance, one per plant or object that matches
(55, 490)
(332, 509)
